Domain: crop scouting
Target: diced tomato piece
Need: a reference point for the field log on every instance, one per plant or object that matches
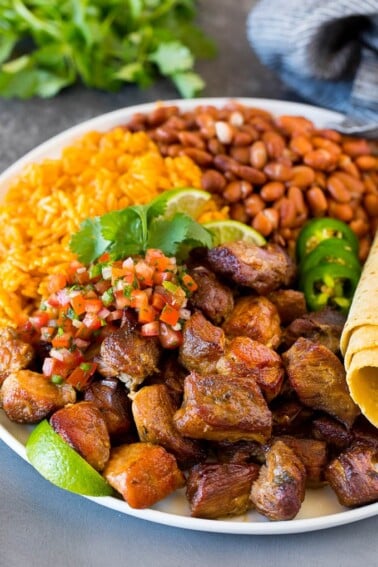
(83, 332)
(39, 319)
(82, 276)
(47, 333)
(93, 305)
(169, 315)
(158, 300)
(160, 277)
(56, 282)
(81, 375)
(189, 283)
(115, 315)
(54, 366)
(78, 304)
(92, 321)
(104, 257)
(121, 300)
(144, 273)
(139, 299)
(118, 272)
(62, 340)
(169, 338)
(102, 285)
(150, 329)
(147, 314)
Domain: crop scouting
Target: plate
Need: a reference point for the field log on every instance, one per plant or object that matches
(320, 509)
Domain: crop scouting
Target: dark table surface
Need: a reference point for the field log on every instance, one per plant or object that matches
(41, 525)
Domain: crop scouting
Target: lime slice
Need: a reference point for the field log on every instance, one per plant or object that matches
(229, 230)
(56, 461)
(187, 200)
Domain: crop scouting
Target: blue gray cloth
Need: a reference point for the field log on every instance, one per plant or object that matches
(326, 50)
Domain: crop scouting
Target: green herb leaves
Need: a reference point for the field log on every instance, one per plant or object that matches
(46, 46)
(135, 229)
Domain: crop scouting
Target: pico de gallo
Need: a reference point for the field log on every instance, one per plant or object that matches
(89, 302)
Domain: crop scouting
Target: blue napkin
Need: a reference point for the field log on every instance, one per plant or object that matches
(326, 50)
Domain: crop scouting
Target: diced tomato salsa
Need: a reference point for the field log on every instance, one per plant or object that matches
(90, 301)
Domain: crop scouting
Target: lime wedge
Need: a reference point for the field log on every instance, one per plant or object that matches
(56, 461)
(229, 230)
(187, 200)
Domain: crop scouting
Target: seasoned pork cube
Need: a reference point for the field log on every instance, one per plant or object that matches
(324, 327)
(313, 454)
(318, 378)
(246, 357)
(216, 490)
(111, 398)
(28, 397)
(203, 343)
(223, 408)
(143, 473)
(256, 318)
(240, 452)
(212, 297)
(153, 411)
(262, 268)
(334, 433)
(279, 491)
(353, 475)
(83, 427)
(15, 354)
(171, 374)
(364, 432)
(290, 417)
(290, 304)
(129, 356)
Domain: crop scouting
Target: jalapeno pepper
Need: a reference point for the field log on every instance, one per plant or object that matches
(331, 251)
(329, 285)
(317, 230)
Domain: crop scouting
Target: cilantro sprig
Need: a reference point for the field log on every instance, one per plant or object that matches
(46, 46)
(135, 229)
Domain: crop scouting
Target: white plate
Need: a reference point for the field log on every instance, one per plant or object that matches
(320, 509)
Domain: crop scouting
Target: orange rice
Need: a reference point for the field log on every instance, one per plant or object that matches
(46, 203)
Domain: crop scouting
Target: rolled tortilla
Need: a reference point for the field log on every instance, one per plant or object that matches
(359, 340)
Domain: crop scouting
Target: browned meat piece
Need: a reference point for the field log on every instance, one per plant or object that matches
(172, 374)
(241, 452)
(313, 454)
(280, 488)
(15, 354)
(246, 357)
(129, 356)
(334, 433)
(83, 427)
(143, 473)
(223, 408)
(256, 318)
(364, 432)
(290, 417)
(28, 397)
(353, 475)
(213, 298)
(318, 378)
(322, 327)
(290, 304)
(203, 343)
(218, 490)
(111, 398)
(262, 268)
(153, 412)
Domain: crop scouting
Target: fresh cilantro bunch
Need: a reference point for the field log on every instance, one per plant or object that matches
(135, 229)
(47, 45)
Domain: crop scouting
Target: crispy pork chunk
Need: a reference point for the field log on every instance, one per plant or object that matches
(262, 268)
(313, 454)
(203, 344)
(172, 375)
(324, 327)
(218, 490)
(143, 473)
(223, 408)
(353, 475)
(334, 433)
(212, 297)
(318, 378)
(364, 432)
(290, 417)
(15, 354)
(246, 357)
(28, 397)
(153, 411)
(129, 356)
(240, 452)
(290, 304)
(256, 318)
(112, 400)
(280, 488)
(83, 427)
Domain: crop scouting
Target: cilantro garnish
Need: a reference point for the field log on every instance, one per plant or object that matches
(134, 230)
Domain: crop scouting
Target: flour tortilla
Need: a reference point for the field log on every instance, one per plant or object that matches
(359, 340)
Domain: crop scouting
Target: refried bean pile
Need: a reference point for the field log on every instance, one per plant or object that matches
(274, 173)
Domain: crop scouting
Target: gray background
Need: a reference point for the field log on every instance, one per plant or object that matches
(41, 525)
